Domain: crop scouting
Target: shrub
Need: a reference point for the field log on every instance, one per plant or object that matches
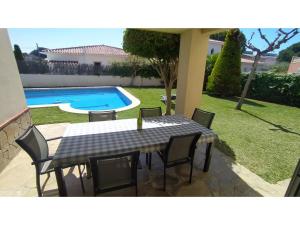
(126, 69)
(281, 67)
(277, 88)
(210, 63)
(225, 77)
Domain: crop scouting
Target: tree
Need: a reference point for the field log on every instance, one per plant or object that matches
(222, 35)
(287, 54)
(37, 52)
(18, 53)
(282, 37)
(210, 63)
(226, 74)
(162, 51)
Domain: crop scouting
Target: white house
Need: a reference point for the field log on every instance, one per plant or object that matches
(103, 54)
(94, 54)
(294, 66)
(214, 46)
(247, 60)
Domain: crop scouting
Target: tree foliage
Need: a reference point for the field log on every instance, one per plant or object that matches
(162, 51)
(287, 54)
(226, 74)
(18, 53)
(222, 35)
(210, 63)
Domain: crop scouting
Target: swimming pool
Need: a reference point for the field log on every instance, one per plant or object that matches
(81, 100)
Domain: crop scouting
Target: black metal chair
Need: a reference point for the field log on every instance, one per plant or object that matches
(150, 112)
(102, 115)
(95, 116)
(294, 186)
(180, 150)
(36, 146)
(114, 172)
(202, 117)
(205, 119)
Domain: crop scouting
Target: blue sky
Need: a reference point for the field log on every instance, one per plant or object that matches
(59, 38)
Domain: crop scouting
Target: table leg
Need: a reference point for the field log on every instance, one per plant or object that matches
(60, 182)
(207, 157)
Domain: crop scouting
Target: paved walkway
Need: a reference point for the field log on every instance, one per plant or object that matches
(225, 177)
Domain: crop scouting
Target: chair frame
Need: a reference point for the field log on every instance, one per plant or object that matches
(149, 155)
(149, 108)
(293, 191)
(164, 155)
(99, 112)
(37, 163)
(212, 118)
(94, 168)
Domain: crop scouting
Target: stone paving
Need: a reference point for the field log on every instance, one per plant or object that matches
(225, 177)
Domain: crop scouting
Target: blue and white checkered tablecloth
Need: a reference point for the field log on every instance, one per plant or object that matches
(83, 140)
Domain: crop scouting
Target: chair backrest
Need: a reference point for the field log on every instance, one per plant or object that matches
(115, 171)
(150, 112)
(294, 186)
(102, 115)
(181, 147)
(202, 117)
(34, 143)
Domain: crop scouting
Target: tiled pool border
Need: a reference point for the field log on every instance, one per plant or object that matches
(67, 106)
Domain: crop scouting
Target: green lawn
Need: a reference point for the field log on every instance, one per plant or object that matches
(264, 137)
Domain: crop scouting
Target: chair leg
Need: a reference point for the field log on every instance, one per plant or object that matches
(136, 190)
(81, 180)
(164, 178)
(147, 158)
(191, 172)
(150, 160)
(88, 171)
(38, 185)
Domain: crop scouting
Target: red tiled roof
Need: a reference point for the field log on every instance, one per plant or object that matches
(92, 49)
(250, 61)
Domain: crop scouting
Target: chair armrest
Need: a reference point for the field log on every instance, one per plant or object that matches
(43, 160)
(52, 139)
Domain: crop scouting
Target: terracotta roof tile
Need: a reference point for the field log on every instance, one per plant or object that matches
(92, 49)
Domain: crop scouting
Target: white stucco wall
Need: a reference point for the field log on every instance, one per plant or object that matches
(12, 99)
(86, 58)
(38, 80)
(246, 67)
(216, 46)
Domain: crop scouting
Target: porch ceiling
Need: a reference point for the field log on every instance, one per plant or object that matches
(208, 31)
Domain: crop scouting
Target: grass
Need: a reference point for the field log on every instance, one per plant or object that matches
(264, 137)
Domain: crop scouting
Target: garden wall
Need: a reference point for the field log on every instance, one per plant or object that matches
(43, 80)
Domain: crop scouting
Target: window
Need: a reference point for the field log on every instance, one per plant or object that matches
(97, 68)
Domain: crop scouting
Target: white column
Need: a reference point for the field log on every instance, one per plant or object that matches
(192, 59)
(12, 99)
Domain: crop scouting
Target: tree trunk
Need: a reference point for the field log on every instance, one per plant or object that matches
(133, 75)
(168, 89)
(248, 82)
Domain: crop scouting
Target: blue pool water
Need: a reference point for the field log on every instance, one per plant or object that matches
(84, 99)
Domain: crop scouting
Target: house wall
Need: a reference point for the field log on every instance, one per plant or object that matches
(42, 80)
(86, 58)
(246, 67)
(14, 115)
(216, 46)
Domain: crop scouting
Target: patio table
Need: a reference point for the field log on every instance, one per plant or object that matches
(83, 140)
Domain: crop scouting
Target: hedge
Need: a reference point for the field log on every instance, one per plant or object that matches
(124, 69)
(277, 88)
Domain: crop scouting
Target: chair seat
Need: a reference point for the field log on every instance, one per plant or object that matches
(46, 167)
(116, 172)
